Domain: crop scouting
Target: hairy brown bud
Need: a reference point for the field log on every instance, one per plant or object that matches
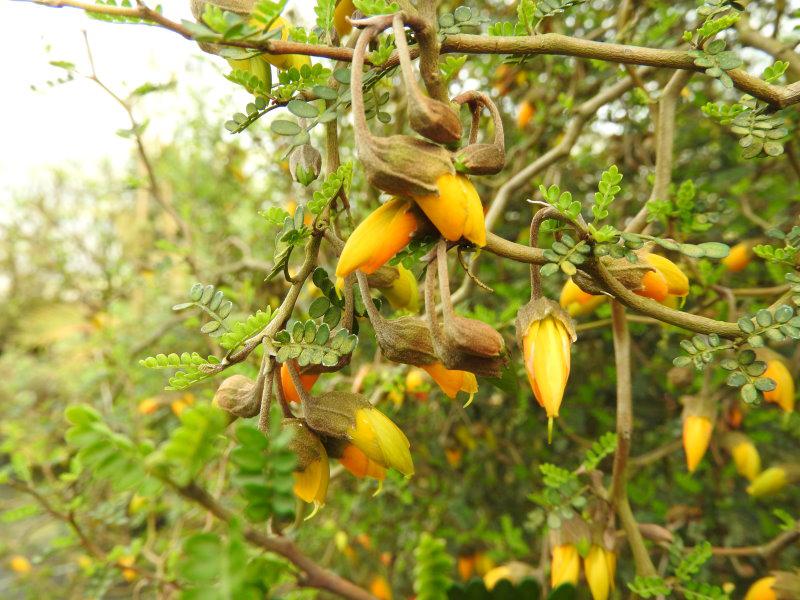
(627, 273)
(305, 164)
(481, 159)
(399, 164)
(429, 117)
(236, 395)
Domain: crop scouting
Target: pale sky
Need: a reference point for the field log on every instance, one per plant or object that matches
(76, 123)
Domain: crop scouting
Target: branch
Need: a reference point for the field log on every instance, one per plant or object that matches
(549, 43)
(314, 575)
(767, 550)
(619, 492)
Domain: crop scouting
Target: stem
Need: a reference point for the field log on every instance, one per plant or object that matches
(297, 382)
(619, 492)
(374, 316)
(313, 574)
(536, 223)
(266, 392)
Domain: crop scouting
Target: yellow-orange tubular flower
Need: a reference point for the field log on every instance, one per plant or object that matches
(290, 393)
(452, 381)
(359, 464)
(381, 440)
(546, 351)
(746, 458)
(379, 237)
(667, 280)
(769, 482)
(739, 257)
(456, 211)
(313, 471)
(783, 394)
(344, 9)
(762, 590)
(599, 569)
(577, 302)
(565, 565)
(696, 435)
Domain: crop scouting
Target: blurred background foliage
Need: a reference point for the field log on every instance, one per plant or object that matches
(89, 270)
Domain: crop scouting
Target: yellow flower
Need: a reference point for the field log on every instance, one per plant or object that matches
(343, 10)
(21, 565)
(599, 566)
(311, 484)
(403, 294)
(147, 406)
(762, 590)
(456, 211)
(665, 282)
(783, 394)
(739, 257)
(128, 574)
(313, 470)
(452, 381)
(359, 464)
(379, 588)
(565, 565)
(746, 458)
(768, 483)
(381, 440)
(546, 351)
(696, 435)
(577, 302)
(378, 238)
(285, 61)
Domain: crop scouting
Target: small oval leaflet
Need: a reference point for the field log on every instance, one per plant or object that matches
(303, 109)
(283, 127)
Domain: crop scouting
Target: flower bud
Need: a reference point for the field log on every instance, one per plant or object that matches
(305, 164)
(565, 565)
(545, 333)
(784, 392)
(380, 236)
(739, 257)
(762, 590)
(313, 472)
(20, 564)
(405, 340)
(699, 413)
(514, 572)
(398, 164)
(481, 159)
(429, 117)
(236, 395)
(351, 417)
(577, 302)
(676, 281)
(787, 584)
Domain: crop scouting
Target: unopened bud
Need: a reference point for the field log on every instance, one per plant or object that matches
(236, 395)
(305, 164)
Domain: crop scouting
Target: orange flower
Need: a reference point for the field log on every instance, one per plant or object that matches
(762, 590)
(525, 113)
(289, 391)
(380, 236)
(783, 394)
(456, 211)
(667, 280)
(696, 435)
(21, 565)
(577, 302)
(359, 464)
(739, 257)
(452, 381)
(379, 588)
(147, 406)
(599, 566)
(466, 566)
